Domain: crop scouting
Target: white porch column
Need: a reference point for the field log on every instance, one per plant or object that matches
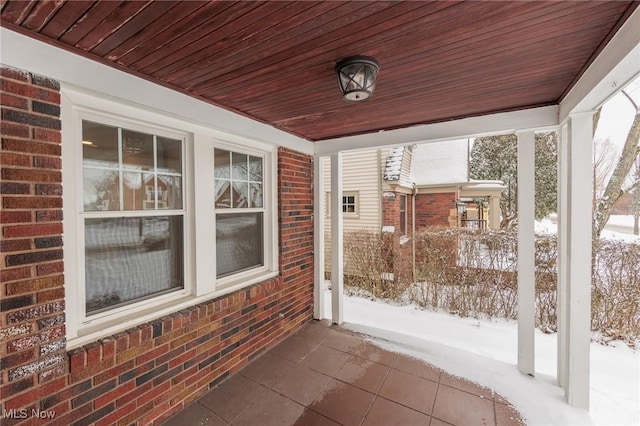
(562, 263)
(578, 222)
(318, 240)
(526, 252)
(337, 255)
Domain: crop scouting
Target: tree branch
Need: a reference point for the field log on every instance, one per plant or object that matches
(631, 100)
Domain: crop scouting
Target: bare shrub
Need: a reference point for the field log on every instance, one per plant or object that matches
(615, 295)
(474, 274)
(376, 263)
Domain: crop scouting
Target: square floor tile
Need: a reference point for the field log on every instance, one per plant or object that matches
(233, 396)
(343, 403)
(268, 369)
(466, 385)
(409, 390)
(194, 414)
(294, 348)
(462, 408)
(364, 374)
(314, 331)
(370, 351)
(302, 385)
(271, 409)
(387, 413)
(342, 342)
(311, 418)
(416, 367)
(325, 360)
(507, 415)
(438, 422)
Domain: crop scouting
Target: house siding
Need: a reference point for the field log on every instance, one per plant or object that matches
(361, 173)
(147, 373)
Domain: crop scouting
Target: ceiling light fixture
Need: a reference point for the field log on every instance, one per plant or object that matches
(357, 77)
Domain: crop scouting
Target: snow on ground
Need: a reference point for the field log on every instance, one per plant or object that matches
(619, 227)
(485, 351)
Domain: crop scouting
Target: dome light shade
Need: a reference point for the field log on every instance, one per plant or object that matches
(357, 77)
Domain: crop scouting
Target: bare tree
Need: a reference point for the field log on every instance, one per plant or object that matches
(635, 200)
(604, 162)
(615, 187)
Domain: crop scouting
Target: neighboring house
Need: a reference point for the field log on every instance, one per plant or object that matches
(382, 186)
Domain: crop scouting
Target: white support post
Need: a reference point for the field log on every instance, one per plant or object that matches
(337, 255)
(318, 239)
(526, 252)
(562, 261)
(579, 234)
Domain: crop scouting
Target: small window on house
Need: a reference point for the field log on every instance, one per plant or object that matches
(133, 216)
(239, 210)
(349, 203)
(403, 214)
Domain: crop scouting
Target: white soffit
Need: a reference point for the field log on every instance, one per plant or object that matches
(500, 123)
(616, 66)
(26, 53)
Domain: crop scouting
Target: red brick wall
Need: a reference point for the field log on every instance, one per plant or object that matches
(147, 373)
(391, 211)
(433, 209)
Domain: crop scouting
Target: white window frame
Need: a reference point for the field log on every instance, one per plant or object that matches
(200, 283)
(347, 215)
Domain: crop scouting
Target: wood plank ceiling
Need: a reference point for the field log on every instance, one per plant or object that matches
(274, 61)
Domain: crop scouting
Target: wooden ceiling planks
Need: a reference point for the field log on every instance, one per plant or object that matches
(274, 60)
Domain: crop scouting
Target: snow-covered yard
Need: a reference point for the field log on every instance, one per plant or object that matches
(486, 351)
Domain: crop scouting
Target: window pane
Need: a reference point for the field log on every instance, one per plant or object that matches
(255, 195)
(239, 169)
(240, 195)
(99, 144)
(238, 242)
(222, 164)
(137, 150)
(223, 194)
(255, 169)
(133, 192)
(169, 192)
(101, 190)
(169, 155)
(129, 259)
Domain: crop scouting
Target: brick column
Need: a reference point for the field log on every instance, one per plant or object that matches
(32, 333)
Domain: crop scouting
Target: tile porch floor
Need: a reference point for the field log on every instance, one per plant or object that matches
(325, 375)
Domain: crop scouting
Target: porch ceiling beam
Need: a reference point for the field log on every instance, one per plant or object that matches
(500, 123)
(616, 66)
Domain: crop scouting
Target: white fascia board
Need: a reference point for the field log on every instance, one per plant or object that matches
(26, 53)
(616, 66)
(500, 123)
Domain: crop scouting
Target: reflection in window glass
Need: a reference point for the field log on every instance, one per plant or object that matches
(238, 242)
(239, 234)
(130, 259)
(128, 170)
(169, 155)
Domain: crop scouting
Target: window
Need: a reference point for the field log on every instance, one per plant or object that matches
(349, 203)
(133, 216)
(403, 214)
(138, 185)
(239, 211)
